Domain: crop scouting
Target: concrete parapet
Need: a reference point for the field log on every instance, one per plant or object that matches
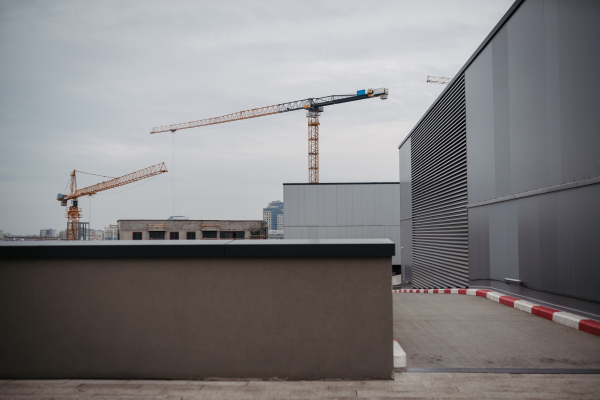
(187, 310)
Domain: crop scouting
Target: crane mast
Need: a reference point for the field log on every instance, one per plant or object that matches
(314, 107)
(74, 212)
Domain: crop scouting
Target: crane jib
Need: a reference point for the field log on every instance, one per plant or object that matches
(113, 183)
(306, 104)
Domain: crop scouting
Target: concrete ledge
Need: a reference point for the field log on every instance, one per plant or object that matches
(199, 249)
(399, 356)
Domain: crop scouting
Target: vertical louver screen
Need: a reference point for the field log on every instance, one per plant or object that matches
(439, 194)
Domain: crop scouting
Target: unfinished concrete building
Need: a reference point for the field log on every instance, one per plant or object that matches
(162, 229)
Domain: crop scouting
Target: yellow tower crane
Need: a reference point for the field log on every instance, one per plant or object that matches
(74, 212)
(314, 107)
(438, 79)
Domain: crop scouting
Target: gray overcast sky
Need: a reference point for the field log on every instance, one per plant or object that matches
(82, 83)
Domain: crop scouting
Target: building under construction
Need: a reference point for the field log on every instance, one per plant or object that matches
(155, 229)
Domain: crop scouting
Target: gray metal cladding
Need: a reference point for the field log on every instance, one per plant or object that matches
(405, 188)
(406, 250)
(549, 241)
(439, 194)
(586, 234)
(533, 124)
(480, 124)
(532, 97)
(578, 44)
(343, 210)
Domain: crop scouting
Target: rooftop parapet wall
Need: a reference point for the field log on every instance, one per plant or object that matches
(289, 309)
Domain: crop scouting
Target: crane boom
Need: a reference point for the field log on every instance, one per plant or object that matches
(115, 182)
(74, 212)
(305, 104)
(313, 105)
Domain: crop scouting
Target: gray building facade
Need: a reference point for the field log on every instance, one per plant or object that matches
(343, 211)
(500, 178)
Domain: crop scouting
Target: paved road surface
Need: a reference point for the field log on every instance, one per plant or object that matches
(458, 331)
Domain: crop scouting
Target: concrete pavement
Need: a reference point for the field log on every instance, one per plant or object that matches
(452, 331)
(404, 386)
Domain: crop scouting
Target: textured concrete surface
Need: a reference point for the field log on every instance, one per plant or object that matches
(404, 386)
(133, 318)
(451, 331)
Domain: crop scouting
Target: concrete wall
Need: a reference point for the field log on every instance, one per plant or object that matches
(533, 143)
(195, 310)
(343, 210)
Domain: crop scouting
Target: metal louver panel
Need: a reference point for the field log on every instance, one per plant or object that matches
(439, 194)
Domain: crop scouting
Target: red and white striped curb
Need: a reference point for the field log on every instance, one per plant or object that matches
(571, 320)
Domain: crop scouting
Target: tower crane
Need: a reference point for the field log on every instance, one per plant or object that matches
(438, 79)
(74, 212)
(314, 107)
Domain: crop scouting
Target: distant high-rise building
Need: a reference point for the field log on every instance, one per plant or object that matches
(48, 232)
(273, 215)
(111, 232)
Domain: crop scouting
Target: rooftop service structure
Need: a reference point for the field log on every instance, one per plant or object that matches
(499, 180)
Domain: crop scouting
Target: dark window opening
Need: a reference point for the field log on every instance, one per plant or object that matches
(174, 236)
(137, 235)
(232, 235)
(157, 235)
(191, 236)
(209, 234)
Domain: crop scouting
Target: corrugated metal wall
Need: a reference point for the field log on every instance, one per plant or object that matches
(439, 194)
(343, 210)
(405, 213)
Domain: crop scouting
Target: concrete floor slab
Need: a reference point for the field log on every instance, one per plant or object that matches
(453, 331)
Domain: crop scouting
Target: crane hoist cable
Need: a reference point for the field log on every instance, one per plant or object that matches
(314, 106)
